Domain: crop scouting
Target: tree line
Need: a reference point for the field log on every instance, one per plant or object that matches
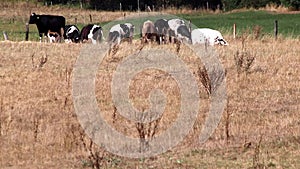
(134, 5)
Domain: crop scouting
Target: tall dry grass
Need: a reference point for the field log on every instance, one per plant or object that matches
(39, 128)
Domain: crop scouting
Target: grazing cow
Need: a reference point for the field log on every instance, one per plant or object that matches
(148, 32)
(212, 37)
(120, 32)
(91, 32)
(174, 23)
(163, 29)
(183, 33)
(46, 23)
(129, 31)
(179, 30)
(53, 37)
(72, 34)
(198, 37)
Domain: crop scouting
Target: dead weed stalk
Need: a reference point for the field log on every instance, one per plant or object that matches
(146, 132)
(41, 62)
(244, 58)
(95, 154)
(257, 164)
(204, 78)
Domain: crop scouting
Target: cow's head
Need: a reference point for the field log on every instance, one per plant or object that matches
(131, 30)
(220, 41)
(73, 33)
(128, 29)
(97, 35)
(33, 18)
(183, 33)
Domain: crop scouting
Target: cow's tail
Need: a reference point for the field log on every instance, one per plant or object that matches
(110, 37)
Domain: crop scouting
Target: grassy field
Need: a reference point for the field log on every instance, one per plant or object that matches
(259, 128)
(289, 24)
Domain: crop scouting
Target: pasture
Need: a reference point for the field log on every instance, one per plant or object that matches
(259, 128)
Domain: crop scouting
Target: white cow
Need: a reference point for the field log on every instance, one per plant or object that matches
(211, 36)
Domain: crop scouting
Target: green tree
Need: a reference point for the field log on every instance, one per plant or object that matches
(291, 3)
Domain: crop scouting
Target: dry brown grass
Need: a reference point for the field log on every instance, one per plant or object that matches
(38, 125)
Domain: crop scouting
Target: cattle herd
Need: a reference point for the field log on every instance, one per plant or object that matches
(161, 31)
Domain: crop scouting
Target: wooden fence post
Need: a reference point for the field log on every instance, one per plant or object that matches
(190, 26)
(234, 31)
(5, 35)
(27, 31)
(207, 6)
(275, 29)
(91, 19)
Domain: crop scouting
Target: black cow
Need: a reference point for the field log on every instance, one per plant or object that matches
(46, 23)
(163, 29)
(71, 33)
(91, 32)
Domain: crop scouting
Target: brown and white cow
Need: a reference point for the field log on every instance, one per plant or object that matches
(149, 32)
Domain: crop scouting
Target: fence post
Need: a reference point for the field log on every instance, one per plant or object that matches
(207, 6)
(75, 21)
(5, 35)
(190, 26)
(234, 31)
(275, 29)
(27, 31)
(91, 19)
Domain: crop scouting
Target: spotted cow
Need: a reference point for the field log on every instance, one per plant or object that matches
(179, 31)
(71, 34)
(92, 33)
(120, 32)
(163, 30)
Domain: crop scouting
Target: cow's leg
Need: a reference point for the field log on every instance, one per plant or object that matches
(130, 39)
(40, 35)
(58, 38)
(119, 40)
(45, 39)
(61, 34)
